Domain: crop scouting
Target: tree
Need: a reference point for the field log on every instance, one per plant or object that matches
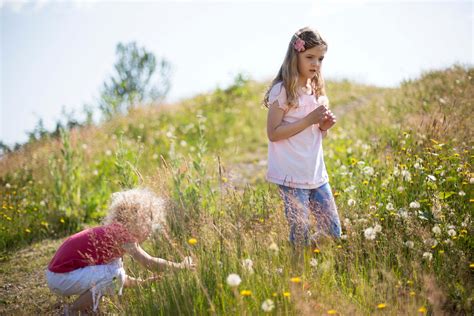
(139, 78)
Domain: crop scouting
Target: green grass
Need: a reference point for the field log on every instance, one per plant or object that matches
(399, 159)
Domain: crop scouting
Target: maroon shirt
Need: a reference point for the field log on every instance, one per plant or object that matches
(93, 246)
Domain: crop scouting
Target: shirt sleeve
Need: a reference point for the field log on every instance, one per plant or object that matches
(278, 93)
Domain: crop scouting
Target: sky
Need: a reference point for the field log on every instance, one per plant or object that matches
(55, 55)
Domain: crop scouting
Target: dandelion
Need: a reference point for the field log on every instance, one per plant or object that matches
(377, 228)
(95, 172)
(417, 165)
(27, 230)
(233, 280)
(248, 265)
(471, 265)
(192, 241)
(409, 244)
(436, 230)
(462, 193)
(406, 175)
(415, 204)
(441, 251)
(245, 292)
(422, 310)
(451, 232)
(389, 207)
(369, 233)
(273, 247)
(368, 171)
(351, 202)
(286, 294)
(108, 152)
(317, 250)
(268, 305)
(332, 312)
(313, 262)
(62, 220)
(344, 237)
(431, 177)
(412, 293)
(427, 256)
(295, 280)
(381, 306)
(279, 270)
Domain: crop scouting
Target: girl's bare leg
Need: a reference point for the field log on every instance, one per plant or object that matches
(82, 304)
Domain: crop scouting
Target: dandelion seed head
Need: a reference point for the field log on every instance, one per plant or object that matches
(268, 305)
(233, 280)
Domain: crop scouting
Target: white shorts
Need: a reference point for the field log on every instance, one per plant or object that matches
(99, 279)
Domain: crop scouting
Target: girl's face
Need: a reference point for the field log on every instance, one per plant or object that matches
(309, 62)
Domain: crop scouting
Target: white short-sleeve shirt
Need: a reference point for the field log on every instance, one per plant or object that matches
(297, 161)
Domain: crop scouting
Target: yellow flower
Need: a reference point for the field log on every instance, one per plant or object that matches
(410, 282)
(62, 220)
(192, 241)
(286, 294)
(339, 246)
(274, 294)
(441, 251)
(245, 292)
(422, 309)
(471, 265)
(412, 293)
(27, 230)
(332, 312)
(381, 306)
(295, 280)
(365, 182)
(224, 179)
(45, 224)
(316, 250)
(336, 193)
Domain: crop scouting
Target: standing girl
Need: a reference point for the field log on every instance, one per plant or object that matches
(298, 119)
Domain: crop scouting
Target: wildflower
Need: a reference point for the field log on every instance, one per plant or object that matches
(403, 213)
(8, 186)
(351, 202)
(431, 177)
(62, 220)
(414, 204)
(248, 265)
(441, 251)
(268, 305)
(377, 228)
(273, 247)
(427, 256)
(233, 280)
(245, 292)
(471, 180)
(451, 232)
(286, 294)
(412, 293)
(332, 312)
(344, 237)
(183, 143)
(410, 282)
(436, 230)
(296, 280)
(406, 175)
(27, 230)
(422, 309)
(381, 306)
(279, 270)
(400, 189)
(368, 171)
(462, 193)
(350, 188)
(155, 156)
(389, 207)
(409, 244)
(417, 165)
(369, 233)
(108, 152)
(430, 242)
(471, 265)
(84, 146)
(192, 241)
(317, 250)
(313, 262)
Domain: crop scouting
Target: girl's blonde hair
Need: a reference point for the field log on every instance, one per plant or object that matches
(288, 73)
(138, 210)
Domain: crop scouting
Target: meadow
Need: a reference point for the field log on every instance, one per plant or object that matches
(400, 167)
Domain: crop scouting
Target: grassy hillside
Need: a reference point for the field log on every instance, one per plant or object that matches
(399, 161)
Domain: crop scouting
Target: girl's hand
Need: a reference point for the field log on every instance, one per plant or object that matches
(328, 121)
(188, 263)
(317, 115)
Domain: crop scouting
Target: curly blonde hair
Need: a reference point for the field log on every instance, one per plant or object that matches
(139, 210)
(288, 73)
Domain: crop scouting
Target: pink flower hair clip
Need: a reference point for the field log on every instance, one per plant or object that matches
(299, 45)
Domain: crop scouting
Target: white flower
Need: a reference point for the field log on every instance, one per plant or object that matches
(155, 156)
(273, 247)
(427, 256)
(183, 143)
(268, 305)
(414, 204)
(430, 242)
(417, 166)
(368, 171)
(396, 172)
(233, 280)
(451, 232)
(84, 146)
(8, 186)
(344, 237)
(377, 228)
(248, 265)
(361, 163)
(471, 180)
(403, 213)
(448, 242)
(462, 193)
(436, 230)
(406, 175)
(95, 172)
(350, 188)
(347, 222)
(400, 189)
(389, 207)
(349, 150)
(279, 270)
(431, 177)
(369, 233)
(42, 203)
(351, 202)
(409, 244)
(313, 262)
(108, 152)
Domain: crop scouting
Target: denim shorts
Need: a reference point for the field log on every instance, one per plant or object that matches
(299, 203)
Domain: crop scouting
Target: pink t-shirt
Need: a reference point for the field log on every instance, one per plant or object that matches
(297, 161)
(93, 246)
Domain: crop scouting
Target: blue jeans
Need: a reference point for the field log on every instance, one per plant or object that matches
(300, 202)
